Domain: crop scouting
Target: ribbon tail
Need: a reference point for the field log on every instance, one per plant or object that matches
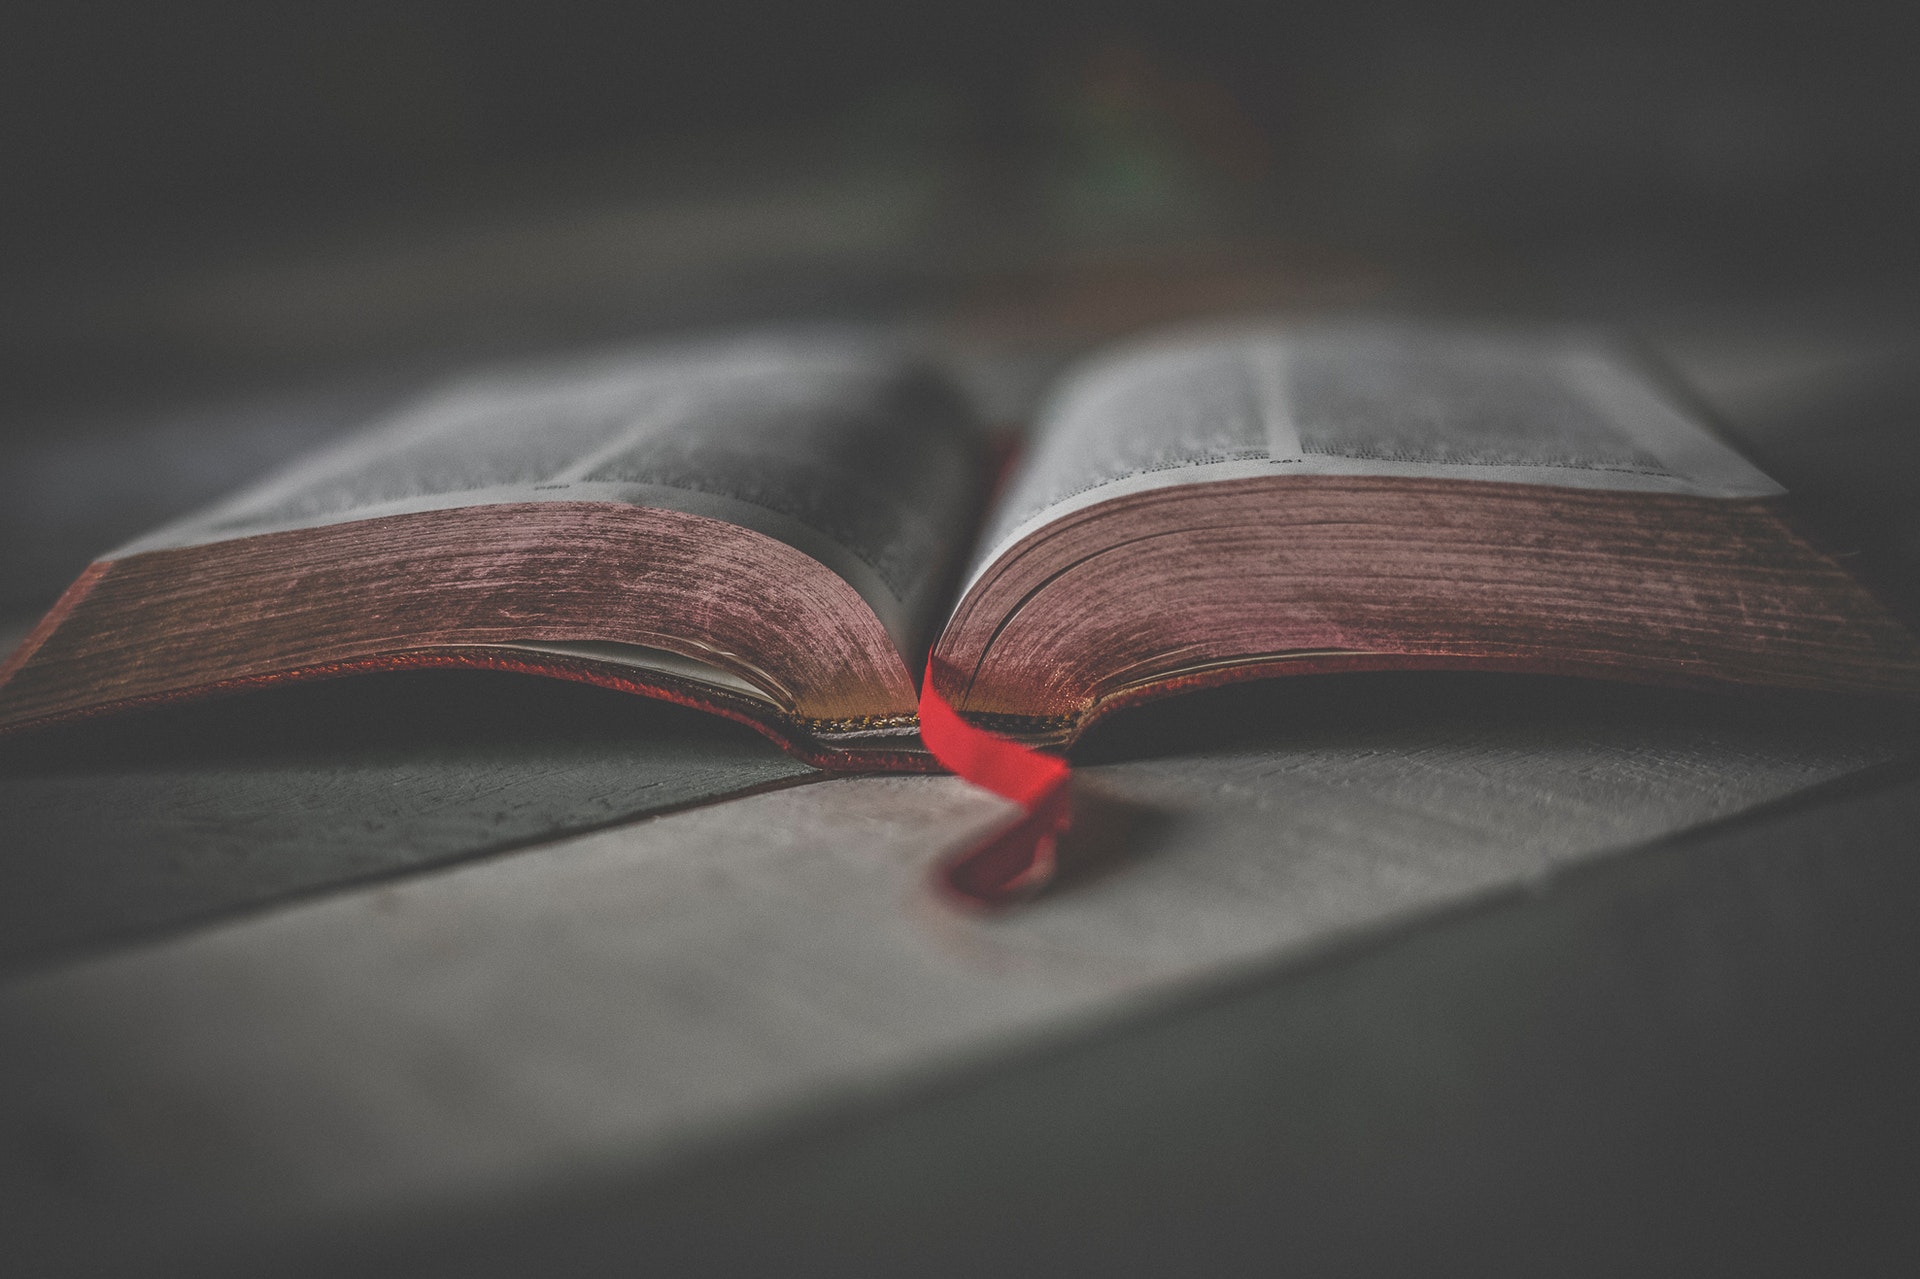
(1016, 860)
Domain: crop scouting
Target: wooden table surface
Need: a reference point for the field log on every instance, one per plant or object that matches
(603, 1023)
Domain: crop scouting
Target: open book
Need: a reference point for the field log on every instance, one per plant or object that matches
(780, 530)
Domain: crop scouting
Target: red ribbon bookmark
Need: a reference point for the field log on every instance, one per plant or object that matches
(1016, 860)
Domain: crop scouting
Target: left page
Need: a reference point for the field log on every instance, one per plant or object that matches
(764, 527)
(843, 446)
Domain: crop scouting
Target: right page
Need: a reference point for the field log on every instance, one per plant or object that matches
(1233, 503)
(1566, 409)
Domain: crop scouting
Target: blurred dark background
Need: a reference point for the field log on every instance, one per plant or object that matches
(231, 227)
(126, 126)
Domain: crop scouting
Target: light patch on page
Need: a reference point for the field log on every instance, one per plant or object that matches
(1402, 398)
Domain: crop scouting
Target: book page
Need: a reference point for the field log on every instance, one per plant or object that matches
(840, 446)
(1559, 409)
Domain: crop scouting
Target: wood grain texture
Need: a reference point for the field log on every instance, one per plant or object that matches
(637, 999)
(166, 819)
(1697, 1059)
